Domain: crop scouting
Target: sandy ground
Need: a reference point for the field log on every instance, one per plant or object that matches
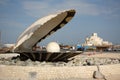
(115, 76)
(104, 55)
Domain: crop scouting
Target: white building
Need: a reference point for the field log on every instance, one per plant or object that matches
(94, 40)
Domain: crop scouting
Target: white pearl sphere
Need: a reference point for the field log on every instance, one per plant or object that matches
(53, 47)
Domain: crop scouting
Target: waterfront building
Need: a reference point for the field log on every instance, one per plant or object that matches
(95, 40)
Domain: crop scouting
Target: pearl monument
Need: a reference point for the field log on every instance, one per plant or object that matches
(53, 47)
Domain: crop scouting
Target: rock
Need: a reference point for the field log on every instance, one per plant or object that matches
(23, 64)
(108, 61)
(84, 63)
(88, 62)
(115, 61)
(12, 62)
(29, 62)
(36, 62)
(60, 64)
(7, 63)
(98, 75)
(19, 63)
(70, 64)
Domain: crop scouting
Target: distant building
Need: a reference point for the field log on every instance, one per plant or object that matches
(96, 41)
(116, 47)
(6, 47)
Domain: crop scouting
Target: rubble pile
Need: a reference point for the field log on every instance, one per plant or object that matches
(89, 61)
(81, 61)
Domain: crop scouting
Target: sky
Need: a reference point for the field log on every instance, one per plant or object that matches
(92, 16)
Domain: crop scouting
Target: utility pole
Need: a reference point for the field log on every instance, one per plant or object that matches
(0, 38)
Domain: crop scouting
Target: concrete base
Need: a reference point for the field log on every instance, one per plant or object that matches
(47, 56)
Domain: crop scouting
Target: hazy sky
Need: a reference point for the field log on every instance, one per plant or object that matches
(100, 16)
